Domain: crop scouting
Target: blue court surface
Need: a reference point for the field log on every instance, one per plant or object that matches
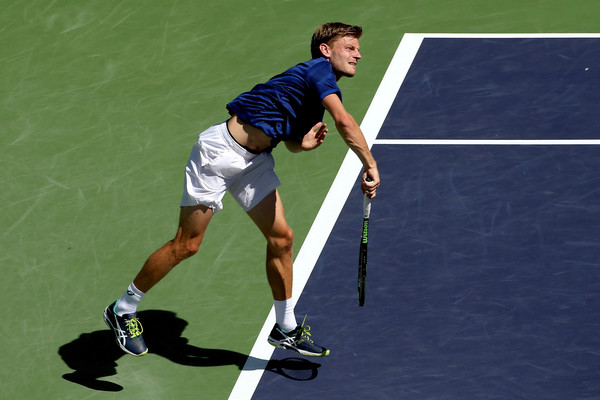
(484, 248)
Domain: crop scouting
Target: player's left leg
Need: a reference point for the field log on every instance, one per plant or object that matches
(269, 216)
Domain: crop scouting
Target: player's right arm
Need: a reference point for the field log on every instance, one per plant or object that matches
(354, 138)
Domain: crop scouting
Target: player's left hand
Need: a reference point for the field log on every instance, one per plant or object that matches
(315, 137)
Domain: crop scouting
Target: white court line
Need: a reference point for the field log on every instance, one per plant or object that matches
(338, 193)
(506, 35)
(490, 142)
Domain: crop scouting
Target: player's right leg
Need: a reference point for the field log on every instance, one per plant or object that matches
(121, 315)
(193, 221)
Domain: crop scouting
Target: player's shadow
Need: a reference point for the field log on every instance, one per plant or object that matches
(94, 355)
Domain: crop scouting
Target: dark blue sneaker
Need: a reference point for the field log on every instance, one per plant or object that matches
(298, 340)
(128, 331)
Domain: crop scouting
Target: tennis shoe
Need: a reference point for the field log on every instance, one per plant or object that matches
(128, 331)
(298, 340)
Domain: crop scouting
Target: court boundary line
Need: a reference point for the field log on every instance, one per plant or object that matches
(339, 191)
(590, 35)
(489, 142)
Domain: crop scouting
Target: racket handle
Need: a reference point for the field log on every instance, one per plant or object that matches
(366, 207)
(367, 201)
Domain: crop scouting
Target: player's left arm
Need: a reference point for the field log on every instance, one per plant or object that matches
(354, 138)
(313, 139)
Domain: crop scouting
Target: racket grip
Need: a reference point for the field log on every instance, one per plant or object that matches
(367, 201)
(366, 207)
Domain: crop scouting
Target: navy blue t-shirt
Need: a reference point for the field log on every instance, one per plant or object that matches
(289, 104)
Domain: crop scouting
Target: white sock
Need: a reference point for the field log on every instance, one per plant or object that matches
(128, 304)
(284, 314)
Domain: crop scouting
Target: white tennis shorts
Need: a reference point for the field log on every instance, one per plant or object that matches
(218, 164)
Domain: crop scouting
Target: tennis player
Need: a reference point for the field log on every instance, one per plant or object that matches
(235, 156)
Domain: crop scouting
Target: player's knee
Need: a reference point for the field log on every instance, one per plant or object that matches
(282, 243)
(191, 249)
(185, 249)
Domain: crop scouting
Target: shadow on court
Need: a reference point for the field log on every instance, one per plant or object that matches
(94, 355)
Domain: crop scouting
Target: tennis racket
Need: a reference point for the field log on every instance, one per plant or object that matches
(364, 241)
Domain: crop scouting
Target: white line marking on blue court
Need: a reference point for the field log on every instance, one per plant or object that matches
(489, 142)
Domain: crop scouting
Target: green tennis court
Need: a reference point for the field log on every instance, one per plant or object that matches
(101, 103)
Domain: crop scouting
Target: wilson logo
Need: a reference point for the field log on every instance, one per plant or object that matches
(365, 232)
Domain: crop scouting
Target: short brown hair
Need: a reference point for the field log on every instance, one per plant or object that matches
(329, 32)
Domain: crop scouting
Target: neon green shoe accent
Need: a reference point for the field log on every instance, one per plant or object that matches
(134, 327)
(306, 336)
